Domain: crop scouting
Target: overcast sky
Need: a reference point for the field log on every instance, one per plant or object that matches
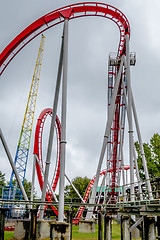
(91, 39)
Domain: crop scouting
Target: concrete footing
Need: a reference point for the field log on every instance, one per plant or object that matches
(107, 227)
(59, 231)
(149, 228)
(135, 233)
(87, 226)
(23, 229)
(2, 222)
(100, 226)
(158, 225)
(125, 227)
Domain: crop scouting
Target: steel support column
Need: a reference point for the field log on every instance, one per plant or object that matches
(131, 141)
(12, 165)
(122, 165)
(106, 135)
(63, 126)
(75, 189)
(33, 176)
(134, 151)
(142, 150)
(51, 134)
(49, 185)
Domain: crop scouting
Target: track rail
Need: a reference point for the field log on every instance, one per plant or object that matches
(57, 16)
(86, 196)
(88, 190)
(38, 27)
(38, 151)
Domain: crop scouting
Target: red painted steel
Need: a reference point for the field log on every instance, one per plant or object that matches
(39, 26)
(57, 16)
(86, 195)
(38, 151)
(90, 185)
(115, 141)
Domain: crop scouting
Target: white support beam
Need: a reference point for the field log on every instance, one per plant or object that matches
(63, 125)
(75, 189)
(12, 165)
(130, 131)
(51, 133)
(48, 183)
(134, 155)
(106, 135)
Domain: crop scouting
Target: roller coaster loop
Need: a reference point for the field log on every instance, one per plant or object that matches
(38, 151)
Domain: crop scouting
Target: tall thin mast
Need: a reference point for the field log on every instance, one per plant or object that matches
(21, 157)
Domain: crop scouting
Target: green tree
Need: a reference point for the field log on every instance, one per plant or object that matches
(80, 184)
(152, 154)
(2, 182)
(27, 186)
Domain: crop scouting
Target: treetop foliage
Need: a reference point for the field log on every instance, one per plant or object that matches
(152, 154)
(80, 184)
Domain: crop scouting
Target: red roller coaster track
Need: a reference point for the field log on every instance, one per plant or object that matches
(57, 16)
(88, 190)
(46, 22)
(86, 196)
(38, 150)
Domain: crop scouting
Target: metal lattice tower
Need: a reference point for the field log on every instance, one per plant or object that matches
(21, 157)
